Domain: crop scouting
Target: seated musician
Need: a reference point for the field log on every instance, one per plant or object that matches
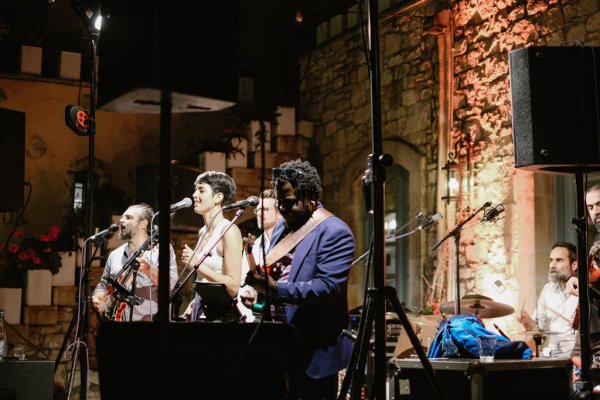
(134, 227)
(556, 307)
(592, 201)
(310, 256)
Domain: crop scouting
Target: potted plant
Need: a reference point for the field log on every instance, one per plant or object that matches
(30, 263)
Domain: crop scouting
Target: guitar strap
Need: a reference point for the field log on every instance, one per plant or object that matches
(285, 245)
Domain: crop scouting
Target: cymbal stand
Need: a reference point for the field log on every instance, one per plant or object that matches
(455, 234)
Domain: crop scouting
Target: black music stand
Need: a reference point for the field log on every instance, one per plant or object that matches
(216, 302)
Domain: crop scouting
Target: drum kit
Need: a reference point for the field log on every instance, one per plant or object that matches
(482, 306)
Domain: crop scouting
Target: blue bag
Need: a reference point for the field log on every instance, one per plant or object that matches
(457, 338)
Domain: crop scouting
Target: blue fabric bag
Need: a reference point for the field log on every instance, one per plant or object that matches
(457, 338)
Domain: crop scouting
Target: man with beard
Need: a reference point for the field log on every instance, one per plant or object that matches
(309, 257)
(134, 227)
(592, 202)
(556, 307)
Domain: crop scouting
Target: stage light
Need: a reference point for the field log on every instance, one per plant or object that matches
(78, 119)
(92, 19)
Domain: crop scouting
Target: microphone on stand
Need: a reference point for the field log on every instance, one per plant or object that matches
(185, 203)
(429, 222)
(251, 201)
(107, 232)
(493, 213)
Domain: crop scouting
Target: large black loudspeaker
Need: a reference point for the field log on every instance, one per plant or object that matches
(12, 159)
(201, 360)
(188, 47)
(555, 94)
(182, 185)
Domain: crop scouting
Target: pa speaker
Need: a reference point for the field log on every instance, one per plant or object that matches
(12, 159)
(208, 360)
(182, 185)
(555, 108)
(187, 47)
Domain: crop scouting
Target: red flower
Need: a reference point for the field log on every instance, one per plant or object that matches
(44, 238)
(18, 234)
(12, 248)
(54, 232)
(37, 261)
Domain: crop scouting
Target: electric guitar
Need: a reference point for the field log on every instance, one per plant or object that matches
(119, 286)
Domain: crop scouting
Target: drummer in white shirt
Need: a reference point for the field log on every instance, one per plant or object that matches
(556, 308)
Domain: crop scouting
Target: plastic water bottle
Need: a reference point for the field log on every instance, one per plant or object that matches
(3, 341)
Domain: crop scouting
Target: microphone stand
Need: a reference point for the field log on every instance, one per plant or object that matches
(455, 234)
(179, 285)
(80, 318)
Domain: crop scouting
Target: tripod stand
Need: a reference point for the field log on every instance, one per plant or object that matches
(362, 347)
(374, 308)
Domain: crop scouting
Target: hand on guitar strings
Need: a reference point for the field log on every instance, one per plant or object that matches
(248, 295)
(99, 299)
(257, 278)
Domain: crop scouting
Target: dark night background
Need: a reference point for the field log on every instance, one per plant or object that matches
(209, 43)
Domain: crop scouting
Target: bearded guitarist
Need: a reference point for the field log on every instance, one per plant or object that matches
(134, 227)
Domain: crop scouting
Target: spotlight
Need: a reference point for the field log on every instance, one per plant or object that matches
(78, 119)
(299, 17)
(93, 19)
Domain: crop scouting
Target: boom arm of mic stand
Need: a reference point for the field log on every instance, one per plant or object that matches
(458, 227)
(180, 285)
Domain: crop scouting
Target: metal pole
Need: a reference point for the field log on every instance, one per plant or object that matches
(379, 279)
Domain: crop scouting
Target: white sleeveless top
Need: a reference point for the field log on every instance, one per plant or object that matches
(215, 259)
(215, 262)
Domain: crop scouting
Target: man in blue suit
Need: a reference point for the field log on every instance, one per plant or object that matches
(310, 257)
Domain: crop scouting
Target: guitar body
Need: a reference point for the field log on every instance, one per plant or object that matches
(119, 311)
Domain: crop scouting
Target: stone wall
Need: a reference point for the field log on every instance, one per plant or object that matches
(335, 94)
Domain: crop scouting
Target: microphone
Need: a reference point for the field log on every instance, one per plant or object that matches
(185, 203)
(107, 232)
(78, 119)
(251, 201)
(492, 213)
(429, 222)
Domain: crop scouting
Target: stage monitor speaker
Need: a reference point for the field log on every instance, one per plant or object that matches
(187, 47)
(27, 380)
(12, 159)
(208, 360)
(555, 109)
(182, 185)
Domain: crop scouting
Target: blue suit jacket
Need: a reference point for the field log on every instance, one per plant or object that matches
(315, 296)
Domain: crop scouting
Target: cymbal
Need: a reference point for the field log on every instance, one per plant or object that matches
(482, 306)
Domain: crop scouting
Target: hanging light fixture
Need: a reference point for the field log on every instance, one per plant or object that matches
(299, 17)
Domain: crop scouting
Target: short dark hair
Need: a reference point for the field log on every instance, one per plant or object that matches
(307, 184)
(594, 188)
(146, 214)
(219, 182)
(570, 247)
